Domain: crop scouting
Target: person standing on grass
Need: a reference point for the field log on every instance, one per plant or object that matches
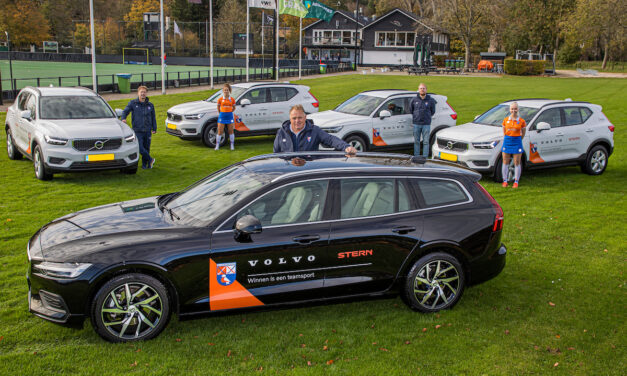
(144, 124)
(422, 108)
(514, 129)
(226, 106)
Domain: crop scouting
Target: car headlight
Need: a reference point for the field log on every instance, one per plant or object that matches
(485, 145)
(333, 129)
(55, 140)
(194, 116)
(61, 269)
(130, 138)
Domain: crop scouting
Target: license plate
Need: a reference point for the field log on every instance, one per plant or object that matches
(448, 157)
(171, 126)
(99, 157)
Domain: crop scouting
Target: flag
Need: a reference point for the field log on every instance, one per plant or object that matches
(318, 10)
(267, 4)
(292, 7)
(194, 1)
(268, 19)
(177, 30)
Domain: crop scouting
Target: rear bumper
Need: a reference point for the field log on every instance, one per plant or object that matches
(489, 267)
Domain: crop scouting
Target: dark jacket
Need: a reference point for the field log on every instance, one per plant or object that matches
(144, 118)
(422, 110)
(309, 139)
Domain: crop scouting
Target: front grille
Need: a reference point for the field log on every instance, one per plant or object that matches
(174, 117)
(52, 301)
(452, 145)
(97, 144)
(100, 165)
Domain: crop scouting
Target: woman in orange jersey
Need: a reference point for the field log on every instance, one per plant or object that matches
(514, 128)
(226, 106)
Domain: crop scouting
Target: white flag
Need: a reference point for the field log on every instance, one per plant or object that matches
(267, 4)
(177, 30)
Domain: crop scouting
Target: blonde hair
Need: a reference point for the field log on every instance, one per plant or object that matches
(297, 107)
(142, 87)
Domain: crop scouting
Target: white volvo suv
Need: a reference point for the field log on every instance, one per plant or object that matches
(261, 108)
(380, 119)
(559, 133)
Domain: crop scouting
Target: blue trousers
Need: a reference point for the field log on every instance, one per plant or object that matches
(421, 130)
(143, 138)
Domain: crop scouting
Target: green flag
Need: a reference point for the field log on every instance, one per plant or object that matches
(318, 10)
(292, 7)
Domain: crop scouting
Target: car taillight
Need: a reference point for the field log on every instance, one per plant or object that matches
(611, 128)
(498, 217)
(316, 103)
(454, 114)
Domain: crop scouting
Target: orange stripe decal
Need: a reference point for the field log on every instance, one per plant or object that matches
(227, 297)
(239, 124)
(376, 138)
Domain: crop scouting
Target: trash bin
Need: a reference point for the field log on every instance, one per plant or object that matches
(323, 68)
(124, 82)
(353, 66)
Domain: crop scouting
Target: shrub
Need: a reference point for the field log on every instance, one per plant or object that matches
(524, 67)
(438, 60)
(569, 54)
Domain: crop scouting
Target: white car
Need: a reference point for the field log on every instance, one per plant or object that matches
(559, 133)
(378, 119)
(65, 129)
(261, 108)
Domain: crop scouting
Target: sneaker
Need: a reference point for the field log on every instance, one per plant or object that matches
(152, 163)
(504, 184)
(217, 147)
(515, 185)
(232, 146)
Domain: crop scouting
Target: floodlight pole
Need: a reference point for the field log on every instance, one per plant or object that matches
(211, 40)
(356, 29)
(10, 65)
(162, 47)
(93, 46)
(247, 36)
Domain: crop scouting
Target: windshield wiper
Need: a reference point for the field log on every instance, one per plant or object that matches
(172, 215)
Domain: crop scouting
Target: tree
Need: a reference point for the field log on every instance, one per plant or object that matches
(135, 16)
(25, 22)
(228, 22)
(82, 36)
(463, 18)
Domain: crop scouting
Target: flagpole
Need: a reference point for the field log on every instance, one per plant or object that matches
(263, 60)
(247, 33)
(211, 39)
(277, 40)
(162, 47)
(300, 46)
(93, 47)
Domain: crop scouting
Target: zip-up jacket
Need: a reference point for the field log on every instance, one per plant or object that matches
(144, 118)
(309, 139)
(422, 110)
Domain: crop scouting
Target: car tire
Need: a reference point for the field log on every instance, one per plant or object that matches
(116, 317)
(357, 142)
(498, 175)
(12, 151)
(209, 135)
(435, 282)
(596, 161)
(41, 172)
(129, 170)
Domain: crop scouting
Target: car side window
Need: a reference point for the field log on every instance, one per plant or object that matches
(291, 92)
(585, 113)
(395, 106)
(278, 94)
(552, 116)
(366, 197)
(256, 96)
(295, 203)
(21, 101)
(31, 105)
(572, 116)
(405, 202)
(438, 192)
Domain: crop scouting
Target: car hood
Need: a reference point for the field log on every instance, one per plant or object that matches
(471, 132)
(332, 118)
(193, 108)
(86, 128)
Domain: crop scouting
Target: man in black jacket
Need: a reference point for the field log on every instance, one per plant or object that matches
(422, 108)
(300, 134)
(144, 124)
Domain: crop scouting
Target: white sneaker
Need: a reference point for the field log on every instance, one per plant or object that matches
(217, 147)
(232, 146)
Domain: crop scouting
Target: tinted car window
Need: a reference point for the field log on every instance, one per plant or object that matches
(295, 203)
(278, 94)
(21, 102)
(256, 96)
(551, 116)
(436, 192)
(495, 115)
(360, 104)
(572, 116)
(585, 113)
(395, 107)
(31, 105)
(291, 92)
(405, 202)
(366, 197)
(78, 107)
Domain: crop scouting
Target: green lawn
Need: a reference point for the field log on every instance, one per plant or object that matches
(559, 306)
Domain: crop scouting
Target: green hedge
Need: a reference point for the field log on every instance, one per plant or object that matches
(524, 67)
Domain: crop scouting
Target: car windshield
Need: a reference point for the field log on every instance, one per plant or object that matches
(201, 203)
(495, 115)
(360, 104)
(236, 91)
(74, 107)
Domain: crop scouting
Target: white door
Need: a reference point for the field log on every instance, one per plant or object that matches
(395, 129)
(253, 117)
(547, 146)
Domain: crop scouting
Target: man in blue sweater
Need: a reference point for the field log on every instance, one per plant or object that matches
(300, 134)
(144, 123)
(422, 108)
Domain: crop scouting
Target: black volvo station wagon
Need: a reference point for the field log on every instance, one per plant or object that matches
(272, 230)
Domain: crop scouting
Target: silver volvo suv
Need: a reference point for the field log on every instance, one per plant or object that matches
(68, 129)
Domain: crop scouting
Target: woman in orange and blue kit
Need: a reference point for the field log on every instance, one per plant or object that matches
(514, 129)
(226, 106)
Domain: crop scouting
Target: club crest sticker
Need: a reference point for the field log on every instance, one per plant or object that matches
(226, 273)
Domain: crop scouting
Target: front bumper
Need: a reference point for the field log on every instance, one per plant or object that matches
(68, 159)
(481, 160)
(188, 129)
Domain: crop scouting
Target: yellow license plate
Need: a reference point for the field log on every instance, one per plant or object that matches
(99, 157)
(448, 157)
(171, 126)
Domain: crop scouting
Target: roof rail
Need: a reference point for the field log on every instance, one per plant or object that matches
(564, 102)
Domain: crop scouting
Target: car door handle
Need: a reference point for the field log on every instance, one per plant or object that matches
(305, 239)
(559, 134)
(403, 229)
(263, 109)
(589, 130)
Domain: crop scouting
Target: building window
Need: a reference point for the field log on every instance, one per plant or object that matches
(394, 39)
(334, 37)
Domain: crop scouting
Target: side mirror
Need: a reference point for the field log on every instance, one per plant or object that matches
(245, 226)
(119, 113)
(543, 126)
(26, 115)
(244, 102)
(384, 114)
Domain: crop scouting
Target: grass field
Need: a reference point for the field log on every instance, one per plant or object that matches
(50, 71)
(559, 306)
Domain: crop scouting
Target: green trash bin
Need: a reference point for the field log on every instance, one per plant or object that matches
(353, 66)
(323, 68)
(124, 82)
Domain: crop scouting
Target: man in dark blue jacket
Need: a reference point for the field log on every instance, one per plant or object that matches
(300, 134)
(144, 123)
(422, 108)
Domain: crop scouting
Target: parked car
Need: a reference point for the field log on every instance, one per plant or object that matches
(378, 119)
(559, 133)
(261, 108)
(273, 230)
(68, 129)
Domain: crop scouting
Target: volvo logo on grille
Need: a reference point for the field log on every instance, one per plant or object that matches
(99, 144)
(449, 145)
